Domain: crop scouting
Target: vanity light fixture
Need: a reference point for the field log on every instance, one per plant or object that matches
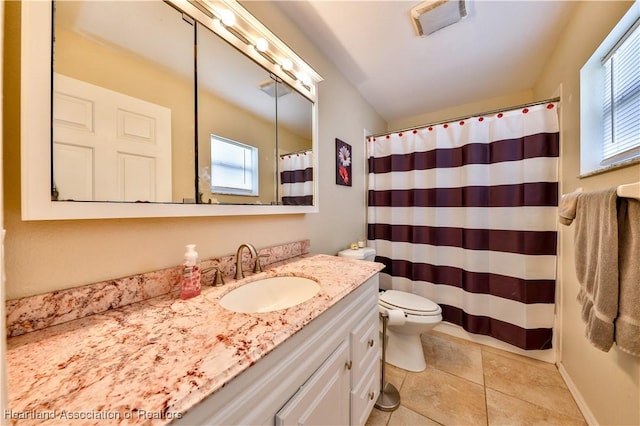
(230, 17)
(287, 67)
(228, 20)
(286, 64)
(262, 50)
(238, 34)
(304, 79)
(262, 44)
(227, 17)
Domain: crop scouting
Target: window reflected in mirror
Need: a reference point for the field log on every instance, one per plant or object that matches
(235, 103)
(234, 167)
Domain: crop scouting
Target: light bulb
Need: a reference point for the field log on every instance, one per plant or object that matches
(304, 79)
(262, 45)
(227, 17)
(287, 65)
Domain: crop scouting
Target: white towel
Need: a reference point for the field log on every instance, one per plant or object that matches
(627, 325)
(596, 259)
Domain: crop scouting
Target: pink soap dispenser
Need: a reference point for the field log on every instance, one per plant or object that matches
(190, 284)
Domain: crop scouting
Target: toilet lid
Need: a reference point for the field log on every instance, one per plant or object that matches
(360, 253)
(410, 303)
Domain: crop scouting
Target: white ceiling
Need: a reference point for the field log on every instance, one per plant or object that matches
(500, 48)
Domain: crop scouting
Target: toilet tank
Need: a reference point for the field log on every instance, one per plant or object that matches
(363, 253)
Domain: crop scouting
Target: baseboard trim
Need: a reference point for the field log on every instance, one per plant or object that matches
(577, 396)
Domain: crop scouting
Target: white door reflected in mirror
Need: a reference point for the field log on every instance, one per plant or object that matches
(108, 146)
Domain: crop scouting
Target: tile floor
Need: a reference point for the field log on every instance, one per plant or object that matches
(470, 384)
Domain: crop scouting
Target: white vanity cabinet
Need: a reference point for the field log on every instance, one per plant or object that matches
(326, 373)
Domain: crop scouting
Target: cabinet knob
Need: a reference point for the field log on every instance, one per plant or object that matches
(371, 395)
(371, 342)
(349, 365)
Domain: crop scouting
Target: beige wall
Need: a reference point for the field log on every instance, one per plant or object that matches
(44, 256)
(607, 382)
(470, 109)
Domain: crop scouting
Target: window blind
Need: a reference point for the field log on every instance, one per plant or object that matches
(234, 167)
(621, 106)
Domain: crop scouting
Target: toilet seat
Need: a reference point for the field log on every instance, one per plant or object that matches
(410, 303)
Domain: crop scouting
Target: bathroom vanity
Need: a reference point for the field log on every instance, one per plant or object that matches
(327, 373)
(193, 362)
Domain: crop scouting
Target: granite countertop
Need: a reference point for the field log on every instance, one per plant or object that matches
(148, 362)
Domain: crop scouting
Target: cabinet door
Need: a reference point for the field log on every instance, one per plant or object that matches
(324, 398)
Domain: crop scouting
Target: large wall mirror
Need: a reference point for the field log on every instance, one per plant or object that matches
(162, 109)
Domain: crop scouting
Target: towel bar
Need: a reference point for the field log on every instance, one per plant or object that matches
(630, 190)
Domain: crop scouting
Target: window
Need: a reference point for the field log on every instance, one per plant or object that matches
(610, 99)
(234, 167)
(621, 106)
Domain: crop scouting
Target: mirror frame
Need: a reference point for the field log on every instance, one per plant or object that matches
(35, 127)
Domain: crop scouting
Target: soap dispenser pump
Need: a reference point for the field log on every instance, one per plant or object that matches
(190, 281)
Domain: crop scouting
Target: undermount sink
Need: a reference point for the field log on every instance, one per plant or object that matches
(270, 294)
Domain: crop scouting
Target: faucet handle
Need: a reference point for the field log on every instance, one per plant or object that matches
(217, 280)
(258, 267)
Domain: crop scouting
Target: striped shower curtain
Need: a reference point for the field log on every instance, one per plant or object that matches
(296, 178)
(464, 213)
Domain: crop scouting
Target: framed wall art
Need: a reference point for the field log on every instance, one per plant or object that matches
(343, 163)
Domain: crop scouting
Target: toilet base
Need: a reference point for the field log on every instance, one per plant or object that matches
(405, 351)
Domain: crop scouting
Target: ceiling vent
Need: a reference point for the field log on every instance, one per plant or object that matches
(433, 15)
(269, 87)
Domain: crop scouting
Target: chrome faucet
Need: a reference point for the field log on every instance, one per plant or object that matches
(254, 254)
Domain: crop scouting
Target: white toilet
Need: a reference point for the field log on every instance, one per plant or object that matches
(404, 348)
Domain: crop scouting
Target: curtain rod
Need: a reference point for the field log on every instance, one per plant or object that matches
(494, 111)
(296, 152)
